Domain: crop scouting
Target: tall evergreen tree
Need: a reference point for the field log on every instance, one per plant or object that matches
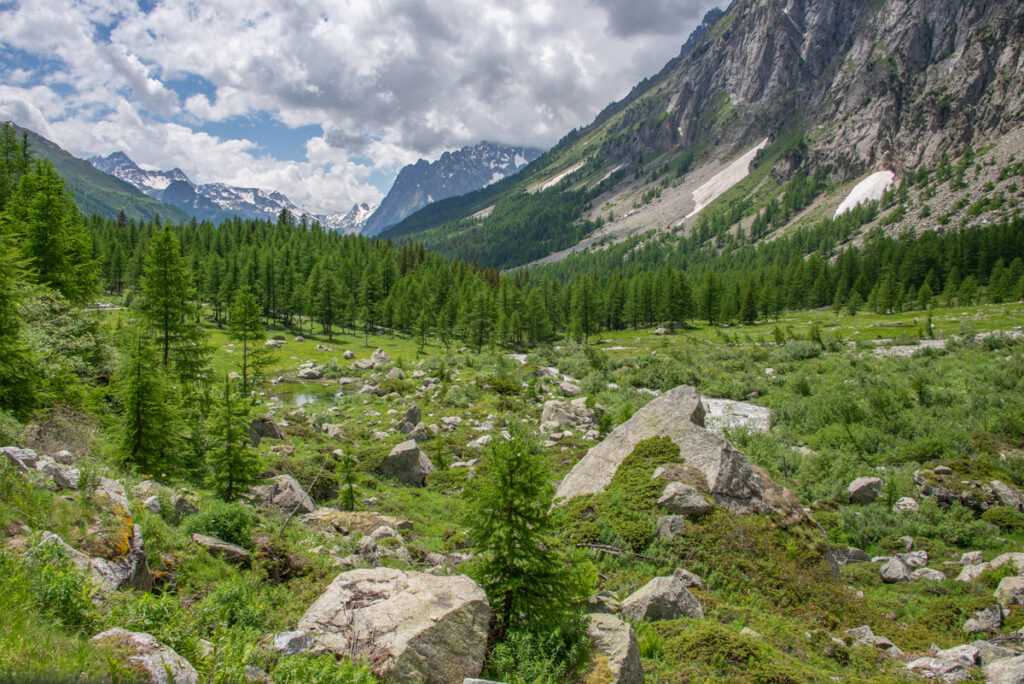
(247, 329)
(233, 465)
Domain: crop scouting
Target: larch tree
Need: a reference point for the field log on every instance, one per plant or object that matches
(233, 465)
(246, 328)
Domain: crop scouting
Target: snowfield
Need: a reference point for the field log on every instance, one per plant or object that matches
(725, 179)
(871, 188)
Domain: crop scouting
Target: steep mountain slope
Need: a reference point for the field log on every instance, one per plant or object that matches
(96, 192)
(455, 173)
(840, 89)
(209, 201)
(353, 220)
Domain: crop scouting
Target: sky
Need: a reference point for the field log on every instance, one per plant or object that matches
(323, 100)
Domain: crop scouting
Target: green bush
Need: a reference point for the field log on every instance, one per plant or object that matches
(800, 350)
(1004, 517)
(58, 587)
(323, 669)
(456, 397)
(229, 521)
(541, 656)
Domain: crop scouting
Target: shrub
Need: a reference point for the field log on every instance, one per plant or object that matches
(229, 521)
(800, 350)
(302, 668)
(1004, 517)
(456, 397)
(553, 655)
(57, 587)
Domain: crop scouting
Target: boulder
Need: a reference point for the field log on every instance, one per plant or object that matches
(680, 499)
(232, 553)
(413, 627)
(285, 492)
(971, 558)
(943, 670)
(313, 373)
(864, 490)
(409, 421)
(362, 364)
(290, 643)
(985, 620)
(989, 652)
(148, 657)
(971, 573)
(904, 503)
(968, 654)
(720, 414)
(663, 598)
(380, 357)
(895, 571)
(62, 476)
(1016, 558)
(395, 373)
(348, 355)
(345, 522)
(678, 414)
(927, 574)
(1005, 671)
(569, 389)
(849, 555)
(688, 578)
(419, 433)
(152, 504)
(615, 657)
(1010, 591)
(671, 526)
(407, 463)
(64, 457)
(264, 426)
(557, 415)
(1005, 494)
(22, 459)
(480, 442)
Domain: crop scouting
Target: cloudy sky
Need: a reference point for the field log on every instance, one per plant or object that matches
(323, 100)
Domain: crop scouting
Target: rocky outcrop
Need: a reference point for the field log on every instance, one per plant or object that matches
(148, 657)
(615, 657)
(663, 598)
(285, 492)
(414, 627)
(407, 464)
(264, 426)
(346, 522)
(1005, 671)
(678, 414)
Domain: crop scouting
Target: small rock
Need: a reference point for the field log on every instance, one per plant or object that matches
(64, 457)
(615, 651)
(864, 490)
(683, 499)
(895, 571)
(927, 574)
(152, 504)
(671, 526)
(232, 553)
(904, 503)
(160, 662)
(971, 558)
(663, 598)
(290, 643)
(985, 620)
(1010, 591)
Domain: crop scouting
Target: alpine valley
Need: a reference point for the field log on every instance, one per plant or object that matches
(726, 386)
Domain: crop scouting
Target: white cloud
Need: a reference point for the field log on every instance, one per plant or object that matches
(386, 80)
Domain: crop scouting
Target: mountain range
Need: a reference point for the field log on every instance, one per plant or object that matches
(765, 90)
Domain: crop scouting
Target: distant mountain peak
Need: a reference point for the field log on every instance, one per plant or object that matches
(456, 172)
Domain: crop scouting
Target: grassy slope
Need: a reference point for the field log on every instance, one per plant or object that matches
(756, 575)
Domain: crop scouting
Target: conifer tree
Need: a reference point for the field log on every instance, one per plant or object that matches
(519, 563)
(17, 386)
(247, 329)
(748, 310)
(233, 465)
(710, 297)
(151, 425)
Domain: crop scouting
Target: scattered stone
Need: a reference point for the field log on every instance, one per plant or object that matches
(343, 522)
(62, 476)
(22, 459)
(363, 364)
(348, 355)
(968, 654)
(313, 373)
(849, 555)
(671, 526)
(419, 433)
(1010, 591)
(380, 357)
(395, 373)
(264, 426)
(407, 463)
(682, 499)
(615, 657)
(678, 414)
(1005, 494)
(480, 442)
(415, 627)
(746, 631)
(927, 574)
(285, 492)
(410, 420)
(300, 338)
(985, 620)
(663, 598)
(232, 553)
(569, 389)
(895, 571)
(971, 573)
(930, 667)
(864, 490)
(904, 503)
(942, 470)
(64, 457)
(971, 558)
(1005, 671)
(152, 504)
(147, 656)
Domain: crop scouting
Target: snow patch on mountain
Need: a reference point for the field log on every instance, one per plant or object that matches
(725, 179)
(869, 189)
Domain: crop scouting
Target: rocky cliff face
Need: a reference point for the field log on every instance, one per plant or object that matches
(896, 82)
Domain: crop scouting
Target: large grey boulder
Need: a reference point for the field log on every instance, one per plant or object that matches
(940, 669)
(1005, 671)
(1006, 495)
(663, 598)
(407, 463)
(678, 414)
(864, 490)
(985, 620)
(62, 476)
(232, 553)
(148, 657)
(849, 555)
(722, 414)
(1010, 591)
(285, 492)
(22, 459)
(409, 420)
(615, 657)
(413, 626)
(681, 499)
(896, 571)
(311, 373)
(381, 357)
(290, 643)
(264, 426)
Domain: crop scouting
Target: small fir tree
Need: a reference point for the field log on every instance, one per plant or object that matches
(233, 465)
